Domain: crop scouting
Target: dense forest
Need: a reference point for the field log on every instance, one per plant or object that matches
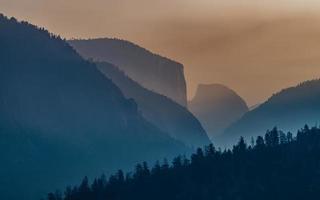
(288, 109)
(276, 166)
(60, 117)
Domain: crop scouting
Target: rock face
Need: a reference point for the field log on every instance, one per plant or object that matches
(61, 118)
(289, 110)
(165, 113)
(217, 106)
(152, 71)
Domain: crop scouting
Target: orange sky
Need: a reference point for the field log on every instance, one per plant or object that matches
(254, 47)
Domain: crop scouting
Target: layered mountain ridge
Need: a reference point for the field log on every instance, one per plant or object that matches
(60, 115)
(150, 70)
(217, 106)
(166, 114)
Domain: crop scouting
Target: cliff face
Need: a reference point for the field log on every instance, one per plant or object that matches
(152, 71)
(61, 118)
(217, 106)
(289, 110)
(166, 114)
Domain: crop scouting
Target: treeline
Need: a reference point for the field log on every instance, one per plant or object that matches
(42, 30)
(276, 166)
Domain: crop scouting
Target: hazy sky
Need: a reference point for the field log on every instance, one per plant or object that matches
(255, 47)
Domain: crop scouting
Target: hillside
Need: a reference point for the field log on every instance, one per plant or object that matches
(217, 107)
(150, 70)
(289, 109)
(161, 111)
(276, 166)
(60, 115)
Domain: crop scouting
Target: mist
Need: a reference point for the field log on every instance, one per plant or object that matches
(255, 48)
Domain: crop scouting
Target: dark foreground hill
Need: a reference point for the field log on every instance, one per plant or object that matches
(166, 114)
(150, 70)
(217, 107)
(277, 166)
(60, 117)
(289, 109)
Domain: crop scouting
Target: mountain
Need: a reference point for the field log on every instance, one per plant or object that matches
(217, 107)
(152, 71)
(254, 106)
(161, 111)
(271, 168)
(60, 115)
(289, 109)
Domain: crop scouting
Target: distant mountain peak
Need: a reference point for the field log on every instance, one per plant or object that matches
(215, 90)
(160, 110)
(217, 106)
(150, 70)
(128, 44)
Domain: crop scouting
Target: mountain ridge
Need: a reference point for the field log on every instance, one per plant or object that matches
(287, 109)
(217, 106)
(58, 110)
(160, 110)
(150, 70)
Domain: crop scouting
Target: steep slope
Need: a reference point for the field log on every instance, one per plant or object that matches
(150, 70)
(158, 109)
(217, 106)
(286, 169)
(60, 115)
(289, 109)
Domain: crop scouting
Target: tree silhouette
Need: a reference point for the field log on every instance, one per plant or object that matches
(277, 166)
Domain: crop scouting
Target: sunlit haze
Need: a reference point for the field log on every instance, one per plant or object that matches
(253, 47)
